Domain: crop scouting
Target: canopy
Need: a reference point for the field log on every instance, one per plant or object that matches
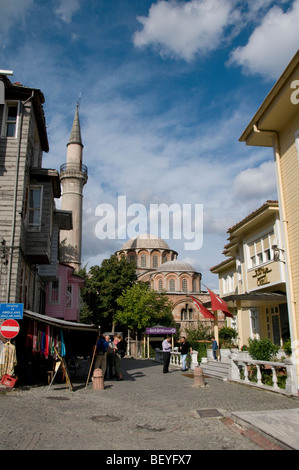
(69, 325)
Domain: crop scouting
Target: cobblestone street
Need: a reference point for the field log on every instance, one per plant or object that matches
(148, 410)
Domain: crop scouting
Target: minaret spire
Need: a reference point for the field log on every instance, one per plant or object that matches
(75, 137)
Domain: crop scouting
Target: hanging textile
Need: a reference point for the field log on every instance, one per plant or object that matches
(29, 335)
(47, 341)
(34, 337)
(62, 344)
(8, 359)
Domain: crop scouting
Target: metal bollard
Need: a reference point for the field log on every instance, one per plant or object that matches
(199, 380)
(98, 380)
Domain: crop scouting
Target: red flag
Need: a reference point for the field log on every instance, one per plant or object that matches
(219, 304)
(206, 313)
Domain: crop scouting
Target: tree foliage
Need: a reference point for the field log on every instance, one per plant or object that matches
(139, 307)
(103, 285)
(262, 349)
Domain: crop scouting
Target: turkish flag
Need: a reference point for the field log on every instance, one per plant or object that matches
(219, 304)
(206, 313)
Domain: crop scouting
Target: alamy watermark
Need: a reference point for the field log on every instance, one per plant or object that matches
(295, 94)
(166, 221)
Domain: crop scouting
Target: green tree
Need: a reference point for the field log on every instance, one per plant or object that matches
(103, 285)
(141, 307)
(262, 349)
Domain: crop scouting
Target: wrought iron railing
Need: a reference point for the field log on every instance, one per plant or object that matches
(73, 166)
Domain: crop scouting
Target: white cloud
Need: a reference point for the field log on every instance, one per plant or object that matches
(12, 12)
(271, 45)
(66, 9)
(184, 29)
(256, 183)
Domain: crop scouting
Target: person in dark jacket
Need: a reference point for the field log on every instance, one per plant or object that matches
(185, 348)
(119, 352)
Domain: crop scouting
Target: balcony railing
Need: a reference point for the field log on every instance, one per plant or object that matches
(74, 166)
(250, 372)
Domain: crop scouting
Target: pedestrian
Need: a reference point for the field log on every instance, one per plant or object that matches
(118, 355)
(214, 348)
(166, 347)
(110, 358)
(102, 348)
(185, 348)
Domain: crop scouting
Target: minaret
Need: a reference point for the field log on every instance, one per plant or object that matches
(73, 176)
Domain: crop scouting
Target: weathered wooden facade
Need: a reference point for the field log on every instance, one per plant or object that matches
(29, 221)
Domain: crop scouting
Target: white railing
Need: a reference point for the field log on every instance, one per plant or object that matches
(242, 371)
(175, 358)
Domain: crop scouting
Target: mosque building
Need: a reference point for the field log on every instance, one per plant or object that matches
(157, 264)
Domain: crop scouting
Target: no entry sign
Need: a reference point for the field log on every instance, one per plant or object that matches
(9, 328)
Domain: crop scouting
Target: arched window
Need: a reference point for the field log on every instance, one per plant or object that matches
(155, 261)
(186, 313)
(160, 284)
(143, 260)
(184, 285)
(171, 285)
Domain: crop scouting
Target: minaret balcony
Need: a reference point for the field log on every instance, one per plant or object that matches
(72, 166)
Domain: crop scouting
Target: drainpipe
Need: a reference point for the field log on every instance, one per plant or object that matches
(15, 198)
(289, 284)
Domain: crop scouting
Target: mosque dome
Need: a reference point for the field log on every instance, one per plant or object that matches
(175, 266)
(146, 241)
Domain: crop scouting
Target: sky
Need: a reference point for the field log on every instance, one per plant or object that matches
(165, 90)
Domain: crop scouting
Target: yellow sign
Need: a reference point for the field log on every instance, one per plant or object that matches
(261, 275)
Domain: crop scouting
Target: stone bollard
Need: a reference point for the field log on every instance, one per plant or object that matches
(98, 380)
(199, 380)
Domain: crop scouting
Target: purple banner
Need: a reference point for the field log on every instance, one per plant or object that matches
(164, 330)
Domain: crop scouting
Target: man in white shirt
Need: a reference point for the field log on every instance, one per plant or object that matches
(166, 347)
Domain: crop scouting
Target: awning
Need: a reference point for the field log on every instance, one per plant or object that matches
(255, 296)
(68, 325)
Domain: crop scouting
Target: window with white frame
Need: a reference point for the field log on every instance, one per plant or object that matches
(54, 292)
(10, 121)
(184, 285)
(35, 207)
(254, 323)
(259, 251)
(228, 283)
(69, 296)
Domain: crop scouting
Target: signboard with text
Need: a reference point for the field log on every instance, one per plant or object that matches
(164, 330)
(14, 311)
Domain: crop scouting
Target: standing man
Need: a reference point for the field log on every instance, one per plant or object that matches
(110, 358)
(185, 348)
(102, 348)
(166, 347)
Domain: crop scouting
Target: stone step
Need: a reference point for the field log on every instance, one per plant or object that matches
(219, 369)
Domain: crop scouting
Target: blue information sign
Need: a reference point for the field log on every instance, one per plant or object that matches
(14, 311)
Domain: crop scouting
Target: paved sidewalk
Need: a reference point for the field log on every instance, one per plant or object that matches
(148, 410)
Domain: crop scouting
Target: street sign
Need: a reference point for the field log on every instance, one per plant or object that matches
(9, 328)
(14, 311)
(160, 330)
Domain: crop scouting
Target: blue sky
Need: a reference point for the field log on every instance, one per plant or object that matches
(167, 87)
